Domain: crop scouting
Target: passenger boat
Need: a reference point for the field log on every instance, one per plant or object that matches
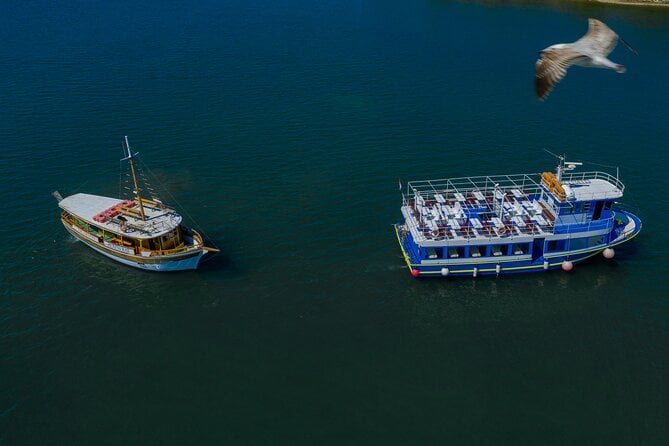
(491, 225)
(140, 232)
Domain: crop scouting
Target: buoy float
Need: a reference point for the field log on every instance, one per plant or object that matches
(475, 272)
(444, 271)
(546, 264)
(609, 253)
(415, 272)
(567, 265)
(498, 268)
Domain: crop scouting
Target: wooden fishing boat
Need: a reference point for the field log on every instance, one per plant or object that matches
(139, 232)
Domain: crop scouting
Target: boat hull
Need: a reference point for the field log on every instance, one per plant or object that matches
(487, 266)
(182, 262)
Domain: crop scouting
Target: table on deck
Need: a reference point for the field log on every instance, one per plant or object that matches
(519, 222)
(537, 207)
(540, 220)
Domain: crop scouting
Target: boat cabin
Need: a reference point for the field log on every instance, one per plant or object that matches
(118, 224)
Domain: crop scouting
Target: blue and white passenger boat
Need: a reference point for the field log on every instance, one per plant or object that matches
(493, 225)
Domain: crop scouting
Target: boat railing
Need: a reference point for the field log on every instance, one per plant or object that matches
(499, 185)
(511, 231)
(588, 226)
(622, 214)
(576, 177)
(178, 250)
(85, 227)
(449, 188)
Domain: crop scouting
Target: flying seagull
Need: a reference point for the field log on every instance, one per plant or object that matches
(588, 51)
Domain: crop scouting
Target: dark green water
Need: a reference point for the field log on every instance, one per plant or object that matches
(282, 129)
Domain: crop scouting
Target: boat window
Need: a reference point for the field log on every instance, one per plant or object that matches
(456, 252)
(596, 240)
(555, 245)
(519, 249)
(586, 206)
(578, 243)
(496, 250)
(607, 205)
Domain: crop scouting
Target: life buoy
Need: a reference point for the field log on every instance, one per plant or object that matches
(502, 231)
(434, 233)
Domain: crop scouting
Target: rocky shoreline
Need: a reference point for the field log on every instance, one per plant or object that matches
(634, 2)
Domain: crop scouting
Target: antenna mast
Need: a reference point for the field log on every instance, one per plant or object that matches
(560, 167)
(134, 178)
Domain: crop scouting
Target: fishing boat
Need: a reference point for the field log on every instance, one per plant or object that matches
(492, 225)
(140, 232)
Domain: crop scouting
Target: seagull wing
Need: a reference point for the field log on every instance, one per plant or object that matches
(599, 38)
(551, 68)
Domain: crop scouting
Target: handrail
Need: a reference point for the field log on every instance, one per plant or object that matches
(70, 218)
(595, 175)
(591, 225)
(487, 184)
(555, 229)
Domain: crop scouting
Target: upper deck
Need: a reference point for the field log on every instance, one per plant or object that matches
(523, 205)
(112, 214)
(589, 186)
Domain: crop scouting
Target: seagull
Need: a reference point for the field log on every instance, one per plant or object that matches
(588, 51)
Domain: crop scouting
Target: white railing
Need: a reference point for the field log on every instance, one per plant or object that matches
(486, 185)
(576, 177)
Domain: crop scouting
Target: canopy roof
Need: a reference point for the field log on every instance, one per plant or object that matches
(92, 208)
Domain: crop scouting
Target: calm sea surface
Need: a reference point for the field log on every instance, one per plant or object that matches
(281, 130)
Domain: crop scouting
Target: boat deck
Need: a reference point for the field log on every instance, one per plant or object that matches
(480, 208)
(478, 215)
(122, 216)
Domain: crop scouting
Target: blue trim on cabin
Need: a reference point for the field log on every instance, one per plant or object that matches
(537, 255)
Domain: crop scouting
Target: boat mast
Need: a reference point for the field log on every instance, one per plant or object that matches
(560, 167)
(134, 179)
